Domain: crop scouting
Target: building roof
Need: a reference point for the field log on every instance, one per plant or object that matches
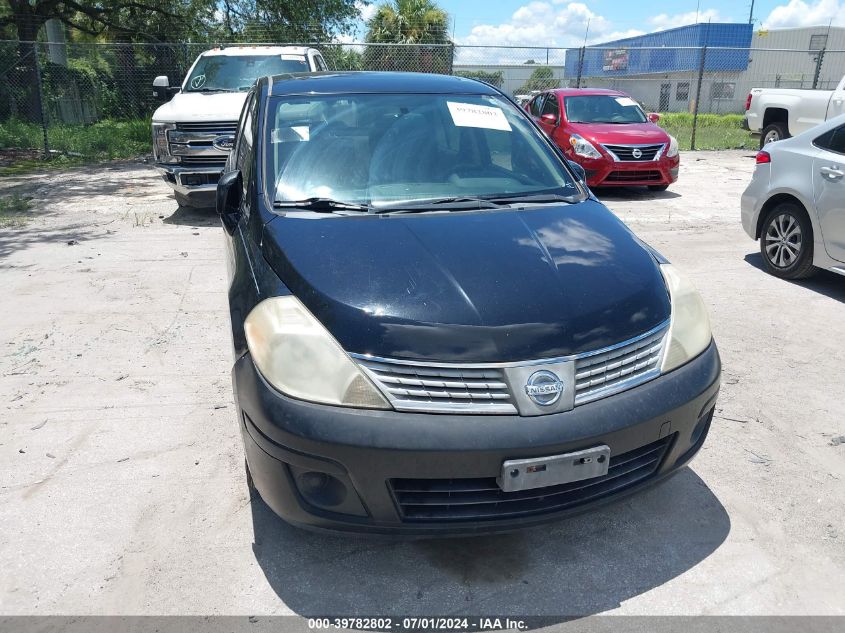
(375, 82)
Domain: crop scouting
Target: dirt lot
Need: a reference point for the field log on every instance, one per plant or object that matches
(121, 467)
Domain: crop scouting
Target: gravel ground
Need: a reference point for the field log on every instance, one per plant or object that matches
(121, 465)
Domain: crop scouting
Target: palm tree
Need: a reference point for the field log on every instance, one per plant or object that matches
(420, 31)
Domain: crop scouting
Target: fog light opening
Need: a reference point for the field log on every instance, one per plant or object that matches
(321, 489)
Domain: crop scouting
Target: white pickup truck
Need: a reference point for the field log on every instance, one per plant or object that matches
(194, 131)
(778, 113)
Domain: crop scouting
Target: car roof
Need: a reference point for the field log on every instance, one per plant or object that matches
(234, 51)
(374, 82)
(586, 92)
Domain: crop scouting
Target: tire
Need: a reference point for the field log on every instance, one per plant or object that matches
(658, 187)
(786, 242)
(773, 132)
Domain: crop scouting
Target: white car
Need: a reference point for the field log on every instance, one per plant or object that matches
(795, 203)
(195, 129)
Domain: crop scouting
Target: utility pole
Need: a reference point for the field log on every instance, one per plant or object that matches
(751, 13)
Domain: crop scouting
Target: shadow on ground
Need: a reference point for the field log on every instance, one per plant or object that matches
(584, 565)
(632, 193)
(193, 216)
(825, 282)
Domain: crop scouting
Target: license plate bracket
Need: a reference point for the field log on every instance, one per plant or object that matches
(541, 472)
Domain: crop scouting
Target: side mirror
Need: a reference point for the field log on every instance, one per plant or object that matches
(550, 119)
(579, 171)
(229, 200)
(161, 87)
(654, 117)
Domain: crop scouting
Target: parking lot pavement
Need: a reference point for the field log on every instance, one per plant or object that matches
(121, 481)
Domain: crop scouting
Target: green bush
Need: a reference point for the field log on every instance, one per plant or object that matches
(713, 131)
(105, 139)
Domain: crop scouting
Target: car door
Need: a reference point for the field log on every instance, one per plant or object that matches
(837, 101)
(829, 189)
(551, 108)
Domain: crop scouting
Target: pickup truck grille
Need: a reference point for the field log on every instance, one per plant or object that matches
(194, 142)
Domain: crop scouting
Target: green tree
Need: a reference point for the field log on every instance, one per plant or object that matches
(287, 20)
(494, 78)
(543, 78)
(419, 31)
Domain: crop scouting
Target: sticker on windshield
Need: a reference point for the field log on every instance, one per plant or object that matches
(198, 82)
(471, 115)
(295, 134)
(625, 101)
(291, 58)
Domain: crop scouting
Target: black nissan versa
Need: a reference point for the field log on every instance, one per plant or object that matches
(437, 328)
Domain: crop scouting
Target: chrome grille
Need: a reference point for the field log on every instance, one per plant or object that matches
(441, 389)
(603, 373)
(626, 152)
(496, 388)
(193, 143)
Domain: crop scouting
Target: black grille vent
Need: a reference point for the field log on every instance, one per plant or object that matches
(634, 176)
(208, 126)
(422, 500)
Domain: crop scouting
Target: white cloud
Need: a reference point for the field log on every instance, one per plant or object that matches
(665, 21)
(367, 10)
(556, 23)
(800, 13)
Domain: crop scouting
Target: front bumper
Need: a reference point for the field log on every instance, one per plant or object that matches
(194, 181)
(606, 172)
(374, 454)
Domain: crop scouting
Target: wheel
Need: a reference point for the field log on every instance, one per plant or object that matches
(786, 242)
(182, 200)
(658, 187)
(773, 132)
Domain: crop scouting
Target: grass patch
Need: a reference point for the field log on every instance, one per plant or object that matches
(13, 210)
(713, 131)
(104, 140)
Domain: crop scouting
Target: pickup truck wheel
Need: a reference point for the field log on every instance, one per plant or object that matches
(786, 242)
(773, 132)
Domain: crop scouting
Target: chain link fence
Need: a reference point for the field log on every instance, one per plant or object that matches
(94, 100)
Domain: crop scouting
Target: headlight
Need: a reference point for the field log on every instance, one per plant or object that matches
(689, 333)
(298, 356)
(673, 147)
(583, 147)
(161, 148)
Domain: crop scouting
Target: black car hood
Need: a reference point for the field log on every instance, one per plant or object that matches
(480, 286)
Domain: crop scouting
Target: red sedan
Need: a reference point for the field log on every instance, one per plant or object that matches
(609, 135)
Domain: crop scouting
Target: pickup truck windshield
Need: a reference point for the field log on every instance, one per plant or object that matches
(239, 72)
(603, 109)
(388, 149)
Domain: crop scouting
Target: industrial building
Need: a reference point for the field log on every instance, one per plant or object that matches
(661, 69)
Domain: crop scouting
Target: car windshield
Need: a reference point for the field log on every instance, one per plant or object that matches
(238, 73)
(603, 109)
(390, 149)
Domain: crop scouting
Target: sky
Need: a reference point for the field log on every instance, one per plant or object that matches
(564, 22)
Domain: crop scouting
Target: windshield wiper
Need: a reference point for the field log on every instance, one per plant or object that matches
(210, 90)
(537, 198)
(320, 205)
(455, 203)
